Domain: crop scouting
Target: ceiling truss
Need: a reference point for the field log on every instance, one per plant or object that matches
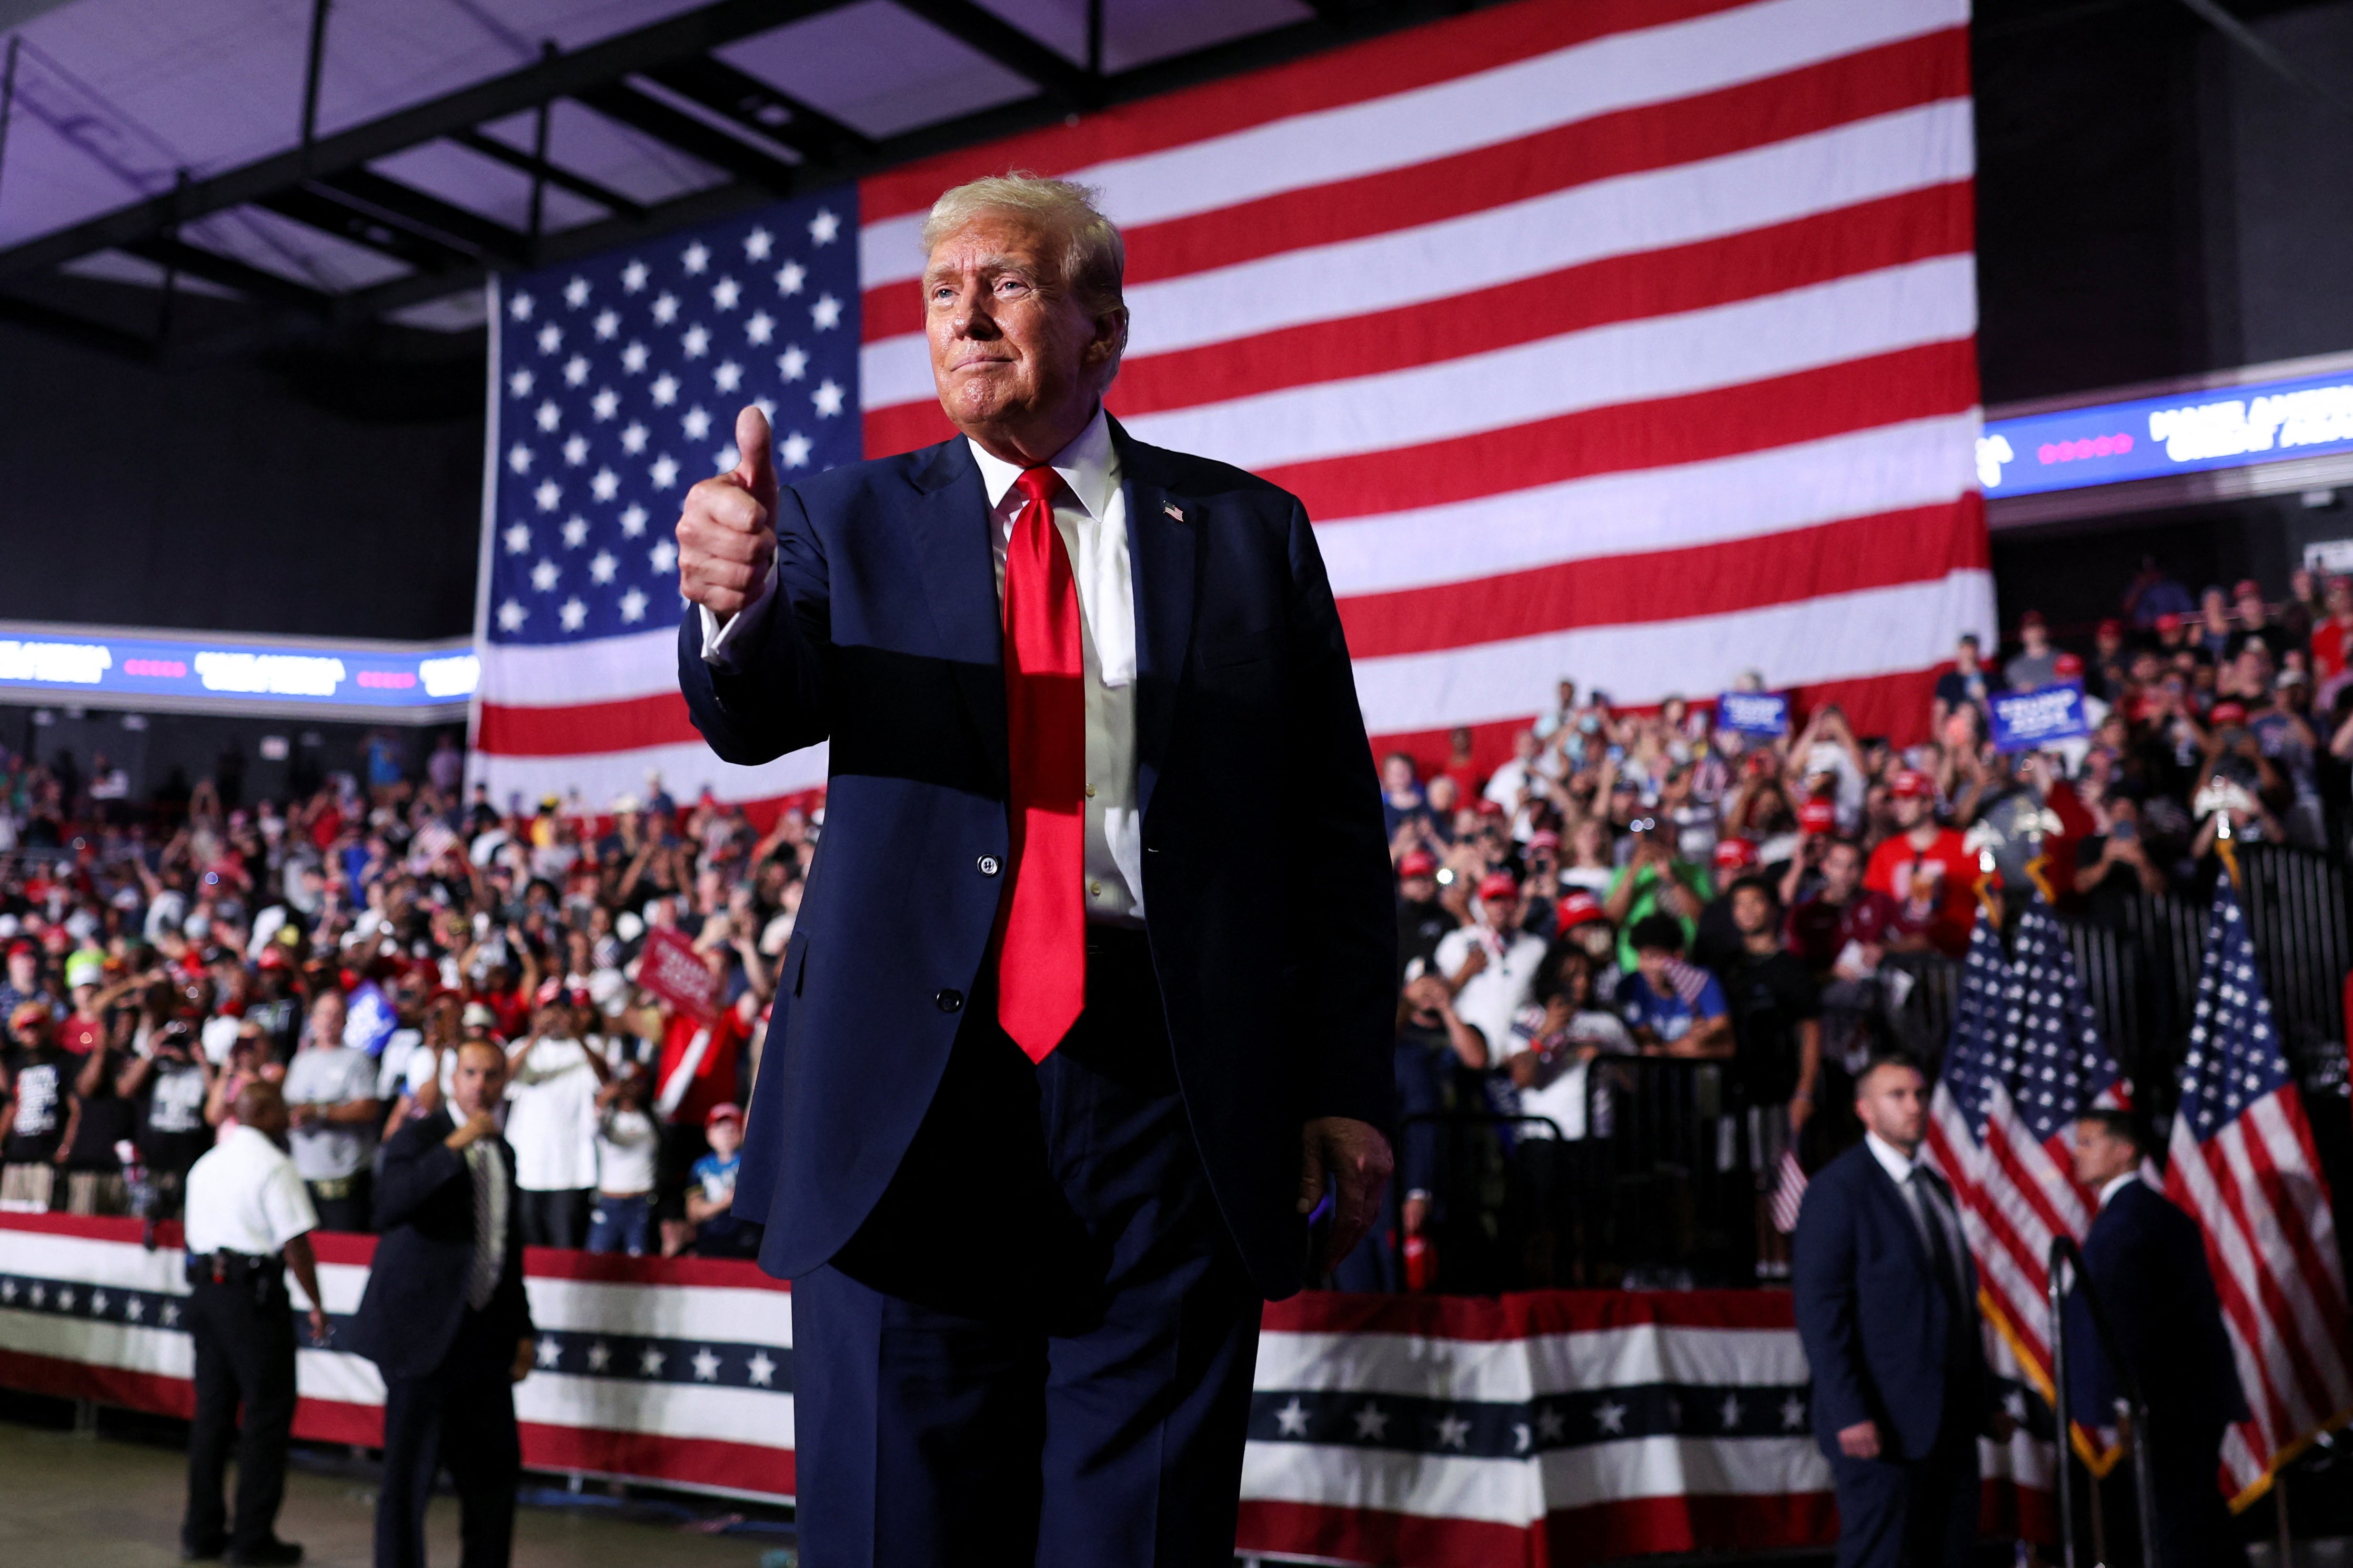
(662, 81)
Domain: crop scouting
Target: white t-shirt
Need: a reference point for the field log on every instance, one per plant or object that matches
(1489, 998)
(245, 1195)
(551, 1117)
(626, 1141)
(1563, 1100)
(392, 1065)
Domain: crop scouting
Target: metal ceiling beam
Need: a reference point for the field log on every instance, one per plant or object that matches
(256, 283)
(580, 185)
(761, 108)
(1367, 19)
(678, 38)
(642, 111)
(1016, 50)
(76, 330)
(462, 228)
(331, 212)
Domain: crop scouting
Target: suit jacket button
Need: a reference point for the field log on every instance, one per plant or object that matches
(987, 865)
(949, 1001)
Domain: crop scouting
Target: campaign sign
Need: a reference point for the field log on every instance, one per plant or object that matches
(674, 971)
(1753, 712)
(2025, 720)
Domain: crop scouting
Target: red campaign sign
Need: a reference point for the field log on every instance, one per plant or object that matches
(674, 971)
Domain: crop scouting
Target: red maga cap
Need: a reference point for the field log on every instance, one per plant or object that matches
(1818, 816)
(1419, 863)
(1499, 885)
(1734, 854)
(1912, 784)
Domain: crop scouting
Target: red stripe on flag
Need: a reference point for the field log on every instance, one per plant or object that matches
(1860, 395)
(2280, 1322)
(1893, 77)
(1890, 705)
(1420, 57)
(2267, 1403)
(1598, 1533)
(1895, 230)
(1487, 1318)
(2288, 1207)
(1738, 574)
(627, 725)
(1823, 248)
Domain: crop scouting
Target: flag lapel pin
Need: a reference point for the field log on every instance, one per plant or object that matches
(1173, 509)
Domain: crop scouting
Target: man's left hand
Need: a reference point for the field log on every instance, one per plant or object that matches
(1357, 1158)
(526, 1354)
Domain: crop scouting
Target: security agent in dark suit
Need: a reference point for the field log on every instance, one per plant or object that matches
(446, 1322)
(1029, 1256)
(2147, 1263)
(1886, 1304)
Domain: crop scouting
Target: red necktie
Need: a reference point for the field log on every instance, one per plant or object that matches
(1041, 960)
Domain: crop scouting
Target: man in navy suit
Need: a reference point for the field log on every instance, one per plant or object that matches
(445, 1320)
(1886, 1303)
(2147, 1263)
(1061, 1065)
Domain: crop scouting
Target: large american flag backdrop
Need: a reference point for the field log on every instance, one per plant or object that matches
(1625, 339)
(2241, 1161)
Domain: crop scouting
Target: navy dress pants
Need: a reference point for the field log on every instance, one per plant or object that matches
(1038, 1349)
(459, 1418)
(1909, 1513)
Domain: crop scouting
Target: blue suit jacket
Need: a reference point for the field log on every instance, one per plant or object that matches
(1266, 875)
(1878, 1329)
(416, 1298)
(2148, 1261)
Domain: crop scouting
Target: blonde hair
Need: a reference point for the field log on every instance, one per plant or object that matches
(1093, 259)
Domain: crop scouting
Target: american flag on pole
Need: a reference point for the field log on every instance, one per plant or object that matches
(1626, 340)
(2241, 1163)
(2025, 1060)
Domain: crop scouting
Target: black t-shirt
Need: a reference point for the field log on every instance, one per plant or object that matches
(173, 1133)
(1769, 994)
(1718, 945)
(1420, 927)
(42, 1082)
(107, 1119)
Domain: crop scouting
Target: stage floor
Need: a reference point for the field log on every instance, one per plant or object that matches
(68, 1500)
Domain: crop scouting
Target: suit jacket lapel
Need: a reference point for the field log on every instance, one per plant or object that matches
(1164, 554)
(1893, 1195)
(948, 536)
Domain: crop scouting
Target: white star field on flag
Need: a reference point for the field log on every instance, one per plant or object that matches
(621, 379)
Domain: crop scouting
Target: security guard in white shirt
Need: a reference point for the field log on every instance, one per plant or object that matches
(248, 1220)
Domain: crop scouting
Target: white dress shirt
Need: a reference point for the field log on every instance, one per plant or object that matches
(245, 1195)
(1090, 514)
(2116, 1185)
(1926, 1205)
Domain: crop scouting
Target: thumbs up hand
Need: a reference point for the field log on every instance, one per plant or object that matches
(727, 533)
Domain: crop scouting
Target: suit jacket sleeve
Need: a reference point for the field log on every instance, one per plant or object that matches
(774, 698)
(1822, 1273)
(1335, 798)
(417, 1164)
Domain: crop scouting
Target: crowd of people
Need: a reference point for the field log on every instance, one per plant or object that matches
(1626, 883)
(345, 948)
(1655, 883)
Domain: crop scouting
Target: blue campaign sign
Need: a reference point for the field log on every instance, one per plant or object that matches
(2025, 720)
(2222, 427)
(196, 672)
(1754, 712)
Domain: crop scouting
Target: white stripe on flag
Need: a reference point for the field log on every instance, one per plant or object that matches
(1894, 468)
(1909, 150)
(686, 769)
(1837, 636)
(1514, 1372)
(1831, 324)
(1618, 71)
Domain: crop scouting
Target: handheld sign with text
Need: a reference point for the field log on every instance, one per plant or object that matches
(1754, 712)
(2025, 720)
(674, 971)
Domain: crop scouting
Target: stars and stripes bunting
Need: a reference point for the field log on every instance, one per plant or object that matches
(1627, 339)
(2242, 1162)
